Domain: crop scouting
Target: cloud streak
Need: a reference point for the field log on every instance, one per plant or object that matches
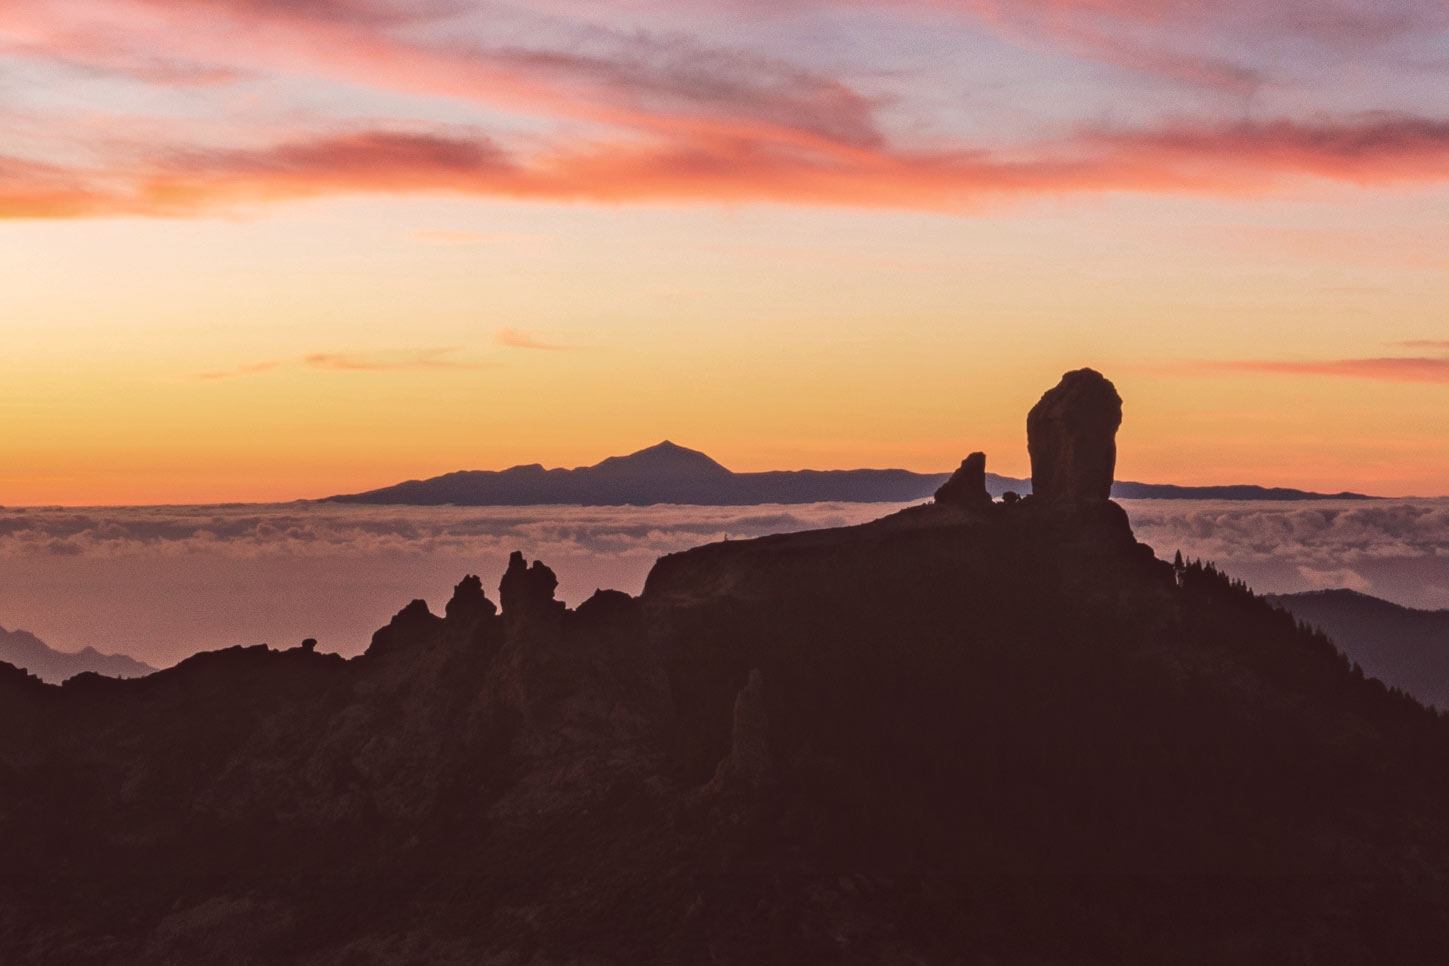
(515, 339)
(396, 360)
(251, 369)
(666, 83)
(1423, 369)
(1239, 159)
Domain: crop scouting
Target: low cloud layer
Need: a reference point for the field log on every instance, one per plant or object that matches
(159, 583)
(1395, 549)
(333, 530)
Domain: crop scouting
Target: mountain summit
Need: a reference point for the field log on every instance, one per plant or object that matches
(967, 732)
(664, 459)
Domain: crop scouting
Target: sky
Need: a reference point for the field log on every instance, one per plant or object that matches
(271, 249)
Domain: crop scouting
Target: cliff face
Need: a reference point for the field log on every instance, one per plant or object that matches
(970, 731)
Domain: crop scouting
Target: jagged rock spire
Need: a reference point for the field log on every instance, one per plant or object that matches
(527, 590)
(468, 601)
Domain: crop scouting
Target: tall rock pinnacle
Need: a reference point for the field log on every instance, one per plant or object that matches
(1071, 435)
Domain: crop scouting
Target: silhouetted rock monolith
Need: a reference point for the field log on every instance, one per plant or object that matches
(527, 590)
(967, 486)
(1071, 436)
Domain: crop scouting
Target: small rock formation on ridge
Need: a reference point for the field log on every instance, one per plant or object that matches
(967, 486)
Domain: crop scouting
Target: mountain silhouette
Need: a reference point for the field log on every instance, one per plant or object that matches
(26, 651)
(668, 473)
(970, 731)
(1401, 646)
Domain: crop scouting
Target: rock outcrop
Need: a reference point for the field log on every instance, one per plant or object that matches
(412, 623)
(967, 486)
(468, 602)
(1071, 436)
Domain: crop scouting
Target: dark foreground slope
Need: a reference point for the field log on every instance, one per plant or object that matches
(1402, 646)
(968, 732)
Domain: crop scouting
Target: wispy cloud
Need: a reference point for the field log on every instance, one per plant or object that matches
(390, 361)
(515, 339)
(662, 82)
(1429, 369)
(393, 360)
(251, 369)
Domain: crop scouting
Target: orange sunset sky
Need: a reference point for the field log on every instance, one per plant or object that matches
(271, 249)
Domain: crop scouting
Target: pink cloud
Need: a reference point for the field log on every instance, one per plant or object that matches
(514, 339)
(666, 83)
(1236, 159)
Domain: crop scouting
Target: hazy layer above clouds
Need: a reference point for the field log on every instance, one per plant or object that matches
(160, 583)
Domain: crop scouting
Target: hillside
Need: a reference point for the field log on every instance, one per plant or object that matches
(1401, 646)
(971, 731)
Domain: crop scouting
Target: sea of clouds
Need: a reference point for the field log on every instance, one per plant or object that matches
(160, 583)
(253, 531)
(1394, 549)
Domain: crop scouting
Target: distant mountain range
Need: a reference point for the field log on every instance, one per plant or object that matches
(668, 473)
(1401, 646)
(24, 650)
